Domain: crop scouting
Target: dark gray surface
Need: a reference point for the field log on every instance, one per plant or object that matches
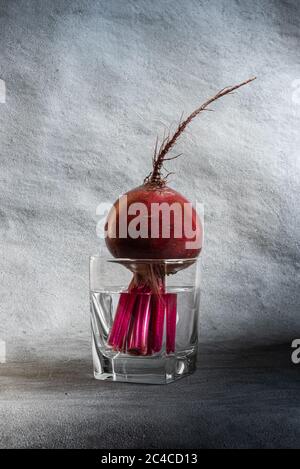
(240, 396)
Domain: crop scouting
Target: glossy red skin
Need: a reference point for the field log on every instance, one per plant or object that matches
(151, 248)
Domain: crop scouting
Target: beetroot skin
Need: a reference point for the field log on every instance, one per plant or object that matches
(152, 248)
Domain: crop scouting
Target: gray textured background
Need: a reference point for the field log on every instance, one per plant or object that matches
(89, 85)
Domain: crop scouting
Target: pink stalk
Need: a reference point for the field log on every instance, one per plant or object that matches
(157, 322)
(138, 336)
(138, 326)
(171, 316)
(121, 322)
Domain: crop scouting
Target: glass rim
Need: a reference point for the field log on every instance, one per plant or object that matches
(127, 260)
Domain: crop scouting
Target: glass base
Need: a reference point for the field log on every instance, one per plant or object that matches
(155, 369)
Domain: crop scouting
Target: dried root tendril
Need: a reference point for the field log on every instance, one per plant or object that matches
(155, 178)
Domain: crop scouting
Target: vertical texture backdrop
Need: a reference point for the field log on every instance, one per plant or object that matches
(89, 84)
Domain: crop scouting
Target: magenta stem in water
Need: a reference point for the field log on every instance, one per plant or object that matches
(119, 330)
(138, 326)
(171, 317)
(157, 322)
(138, 335)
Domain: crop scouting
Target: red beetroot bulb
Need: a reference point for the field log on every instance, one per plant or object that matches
(169, 247)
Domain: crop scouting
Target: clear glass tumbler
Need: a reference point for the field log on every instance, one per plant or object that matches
(139, 334)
